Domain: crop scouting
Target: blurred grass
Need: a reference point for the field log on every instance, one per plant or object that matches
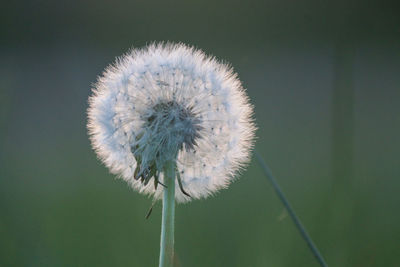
(60, 207)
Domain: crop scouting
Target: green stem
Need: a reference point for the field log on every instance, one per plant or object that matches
(168, 215)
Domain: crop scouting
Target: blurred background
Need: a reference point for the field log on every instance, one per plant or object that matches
(324, 77)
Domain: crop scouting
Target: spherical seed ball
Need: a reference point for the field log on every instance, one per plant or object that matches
(171, 102)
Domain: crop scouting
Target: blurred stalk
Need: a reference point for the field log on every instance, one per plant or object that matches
(343, 115)
(340, 203)
(291, 212)
(168, 217)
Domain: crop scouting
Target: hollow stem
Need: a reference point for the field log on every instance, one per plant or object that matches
(291, 212)
(168, 216)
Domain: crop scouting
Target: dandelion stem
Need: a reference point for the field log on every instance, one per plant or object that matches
(291, 212)
(168, 216)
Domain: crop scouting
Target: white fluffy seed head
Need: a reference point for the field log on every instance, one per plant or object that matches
(171, 102)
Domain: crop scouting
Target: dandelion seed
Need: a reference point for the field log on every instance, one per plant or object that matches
(171, 102)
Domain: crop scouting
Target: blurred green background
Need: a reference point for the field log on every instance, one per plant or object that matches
(324, 77)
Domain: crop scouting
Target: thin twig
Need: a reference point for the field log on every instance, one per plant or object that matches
(291, 212)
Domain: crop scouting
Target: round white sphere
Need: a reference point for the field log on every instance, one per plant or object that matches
(171, 99)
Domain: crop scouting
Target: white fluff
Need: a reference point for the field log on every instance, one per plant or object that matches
(123, 105)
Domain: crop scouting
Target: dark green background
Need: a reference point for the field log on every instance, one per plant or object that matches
(324, 77)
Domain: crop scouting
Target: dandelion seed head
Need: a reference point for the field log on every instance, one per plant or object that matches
(171, 102)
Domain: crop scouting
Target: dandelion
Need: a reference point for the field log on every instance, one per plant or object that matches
(168, 116)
